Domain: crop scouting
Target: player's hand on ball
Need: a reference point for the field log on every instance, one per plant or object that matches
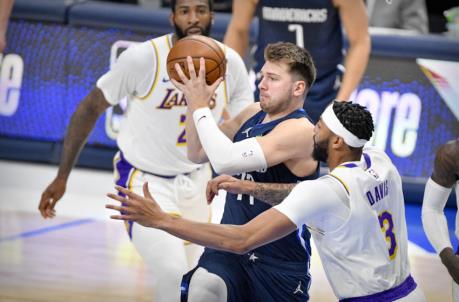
(198, 94)
(143, 210)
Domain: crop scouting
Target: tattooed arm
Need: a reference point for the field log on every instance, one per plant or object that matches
(270, 193)
(81, 124)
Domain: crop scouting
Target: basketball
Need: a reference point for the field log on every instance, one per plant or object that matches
(197, 46)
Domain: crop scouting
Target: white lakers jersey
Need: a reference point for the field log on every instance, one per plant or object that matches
(368, 253)
(152, 135)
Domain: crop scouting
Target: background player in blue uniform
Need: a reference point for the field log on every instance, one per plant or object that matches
(315, 25)
(273, 144)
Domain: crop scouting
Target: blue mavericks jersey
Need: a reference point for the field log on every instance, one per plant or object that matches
(313, 24)
(239, 208)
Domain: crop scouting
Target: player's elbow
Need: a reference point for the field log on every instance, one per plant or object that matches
(196, 157)
(223, 167)
(239, 247)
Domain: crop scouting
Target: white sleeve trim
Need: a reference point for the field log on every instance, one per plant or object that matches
(224, 155)
(433, 217)
(316, 204)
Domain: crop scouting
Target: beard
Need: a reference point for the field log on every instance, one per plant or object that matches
(320, 152)
(205, 31)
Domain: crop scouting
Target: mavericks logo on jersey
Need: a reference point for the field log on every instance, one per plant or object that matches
(175, 98)
(301, 15)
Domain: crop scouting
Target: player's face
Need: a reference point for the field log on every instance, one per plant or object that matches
(275, 87)
(192, 17)
(321, 139)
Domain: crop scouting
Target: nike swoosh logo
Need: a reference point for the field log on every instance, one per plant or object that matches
(165, 80)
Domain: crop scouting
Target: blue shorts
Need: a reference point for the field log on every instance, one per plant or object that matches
(254, 277)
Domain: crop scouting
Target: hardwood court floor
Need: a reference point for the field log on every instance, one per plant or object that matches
(83, 256)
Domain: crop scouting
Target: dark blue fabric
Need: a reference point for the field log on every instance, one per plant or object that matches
(324, 40)
(280, 267)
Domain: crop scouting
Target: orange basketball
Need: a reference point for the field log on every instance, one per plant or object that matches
(197, 46)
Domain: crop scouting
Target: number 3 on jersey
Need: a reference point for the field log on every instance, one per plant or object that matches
(181, 140)
(387, 227)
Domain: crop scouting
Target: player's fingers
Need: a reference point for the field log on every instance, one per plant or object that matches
(146, 191)
(118, 198)
(120, 209)
(127, 192)
(181, 74)
(122, 217)
(202, 68)
(210, 198)
(214, 86)
(191, 70)
(177, 84)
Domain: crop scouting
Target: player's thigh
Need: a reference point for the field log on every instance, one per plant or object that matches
(191, 195)
(206, 286)
(162, 252)
(277, 282)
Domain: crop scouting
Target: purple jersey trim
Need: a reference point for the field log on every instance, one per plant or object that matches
(124, 170)
(389, 295)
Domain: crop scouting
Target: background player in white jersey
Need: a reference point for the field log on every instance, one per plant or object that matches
(152, 140)
(346, 209)
(444, 176)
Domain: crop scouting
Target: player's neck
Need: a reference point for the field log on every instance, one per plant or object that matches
(337, 158)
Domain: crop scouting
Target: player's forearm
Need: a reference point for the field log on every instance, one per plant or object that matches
(81, 124)
(5, 11)
(195, 152)
(217, 236)
(237, 40)
(355, 64)
(270, 193)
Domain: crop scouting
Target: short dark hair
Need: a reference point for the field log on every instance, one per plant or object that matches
(297, 58)
(174, 3)
(355, 118)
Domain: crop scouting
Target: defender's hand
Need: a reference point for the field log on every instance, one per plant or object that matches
(451, 261)
(229, 184)
(143, 210)
(51, 196)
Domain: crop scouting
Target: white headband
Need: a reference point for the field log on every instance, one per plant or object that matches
(333, 123)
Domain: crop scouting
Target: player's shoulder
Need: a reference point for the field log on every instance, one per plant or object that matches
(450, 149)
(297, 125)
(138, 54)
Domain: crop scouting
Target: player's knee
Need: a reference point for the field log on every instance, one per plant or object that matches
(205, 286)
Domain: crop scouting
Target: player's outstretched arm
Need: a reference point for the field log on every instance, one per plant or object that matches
(81, 124)
(237, 34)
(438, 188)
(355, 22)
(267, 227)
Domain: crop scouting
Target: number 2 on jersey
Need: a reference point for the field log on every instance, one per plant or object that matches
(181, 140)
(387, 227)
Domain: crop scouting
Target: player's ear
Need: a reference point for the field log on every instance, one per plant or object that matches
(299, 87)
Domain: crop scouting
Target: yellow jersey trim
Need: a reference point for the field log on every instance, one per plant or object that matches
(158, 64)
(342, 182)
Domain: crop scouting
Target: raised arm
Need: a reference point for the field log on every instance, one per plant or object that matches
(355, 21)
(438, 188)
(237, 34)
(81, 124)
